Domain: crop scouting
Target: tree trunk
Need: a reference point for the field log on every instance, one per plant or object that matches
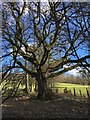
(27, 89)
(42, 86)
(42, 89)
(27, 85)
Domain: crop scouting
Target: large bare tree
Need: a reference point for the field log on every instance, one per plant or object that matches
(49, 36)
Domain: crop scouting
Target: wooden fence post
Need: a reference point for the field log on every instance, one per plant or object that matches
(57, 90)
(87, 92)
(80, 92)
(74, 91)
(65, 90)
(51, 87)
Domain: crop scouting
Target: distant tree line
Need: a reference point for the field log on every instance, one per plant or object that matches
(70, 79)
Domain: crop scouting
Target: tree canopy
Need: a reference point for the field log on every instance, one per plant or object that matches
(50, 36)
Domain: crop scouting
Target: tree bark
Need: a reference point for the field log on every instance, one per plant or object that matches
(42, 86)
(41, 89)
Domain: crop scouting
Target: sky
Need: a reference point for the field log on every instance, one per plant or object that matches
(73, 72)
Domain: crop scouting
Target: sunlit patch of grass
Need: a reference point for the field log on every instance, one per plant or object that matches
(77, 87)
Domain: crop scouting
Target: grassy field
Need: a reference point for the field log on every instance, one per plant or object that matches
(61, 87)
(77, 87)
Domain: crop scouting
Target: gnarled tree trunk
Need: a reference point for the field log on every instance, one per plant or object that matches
(42, 86)
(41, 89)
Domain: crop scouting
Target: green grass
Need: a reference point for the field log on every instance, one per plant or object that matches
(61, 87)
